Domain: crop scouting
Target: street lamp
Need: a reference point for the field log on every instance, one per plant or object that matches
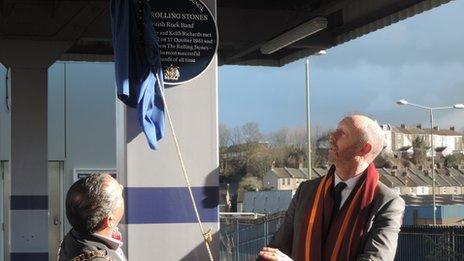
(432, 148)
(308, 110)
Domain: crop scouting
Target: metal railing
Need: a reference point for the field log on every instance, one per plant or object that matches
(241, 239)
(431, 243)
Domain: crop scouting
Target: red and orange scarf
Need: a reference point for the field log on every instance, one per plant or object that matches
(339, 240)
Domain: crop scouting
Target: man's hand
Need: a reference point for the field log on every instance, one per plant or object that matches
(273, 254)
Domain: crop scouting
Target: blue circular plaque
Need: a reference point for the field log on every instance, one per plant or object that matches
(187, 36)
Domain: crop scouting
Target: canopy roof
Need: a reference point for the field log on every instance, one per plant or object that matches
(244, 25)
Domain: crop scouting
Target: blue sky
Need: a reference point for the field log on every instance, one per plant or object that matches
(420, 59)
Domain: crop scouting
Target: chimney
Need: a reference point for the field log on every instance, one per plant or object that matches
(403, 125)
(421, 167)
(452, 128)
(419, 126)
(405, 173)
(393, 172)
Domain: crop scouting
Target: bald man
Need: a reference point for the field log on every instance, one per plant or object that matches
(348, 214)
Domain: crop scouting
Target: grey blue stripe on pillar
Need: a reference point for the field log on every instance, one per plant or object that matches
(27, 244)
(29, 256)
(24, 202)
(155, 205)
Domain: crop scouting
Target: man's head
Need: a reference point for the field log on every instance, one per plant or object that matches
(357, 140)
(95, 204)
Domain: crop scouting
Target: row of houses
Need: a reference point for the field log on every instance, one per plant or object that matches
(414, 186)
(405, 181)
(400, 139)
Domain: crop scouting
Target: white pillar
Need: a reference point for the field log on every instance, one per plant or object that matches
(29, 177)
(29, 61)
(160, 220)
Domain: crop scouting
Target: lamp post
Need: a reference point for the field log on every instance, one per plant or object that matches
(432, 148)
(308, 111)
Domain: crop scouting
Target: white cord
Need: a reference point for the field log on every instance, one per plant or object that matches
(207, 237)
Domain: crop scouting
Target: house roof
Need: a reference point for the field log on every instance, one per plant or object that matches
(424, 131)
(423, 176)
(403, 177)
(446, 175)
(319, 172)
(457, 175)
(421, 200)
(389, 179)
(417, 179)
(289, 173)
(246, 146)
(297, 173)
(408, 130)
(445, 132)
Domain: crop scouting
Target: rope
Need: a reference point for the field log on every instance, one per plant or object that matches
(207, 236)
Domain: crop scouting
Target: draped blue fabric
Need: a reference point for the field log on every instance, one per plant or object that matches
(139, 77)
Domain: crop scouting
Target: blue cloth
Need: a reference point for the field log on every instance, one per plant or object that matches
(137, 63)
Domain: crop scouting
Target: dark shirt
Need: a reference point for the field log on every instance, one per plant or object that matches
(76, 246)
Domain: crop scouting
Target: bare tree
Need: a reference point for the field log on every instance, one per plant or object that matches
(237, 136)
(225, 136)
(298, 137)
(280, 137)
(251, 132)
(295, 136)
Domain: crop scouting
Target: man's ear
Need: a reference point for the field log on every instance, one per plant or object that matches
(106, 222)
(366, 149)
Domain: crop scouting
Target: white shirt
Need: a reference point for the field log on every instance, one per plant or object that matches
(113, 244)
(350, 184)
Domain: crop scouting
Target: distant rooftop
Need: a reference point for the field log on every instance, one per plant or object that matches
(428, 200)
(402, 177)
(418, 130)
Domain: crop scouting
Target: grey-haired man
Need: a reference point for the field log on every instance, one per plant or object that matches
(94, 208)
